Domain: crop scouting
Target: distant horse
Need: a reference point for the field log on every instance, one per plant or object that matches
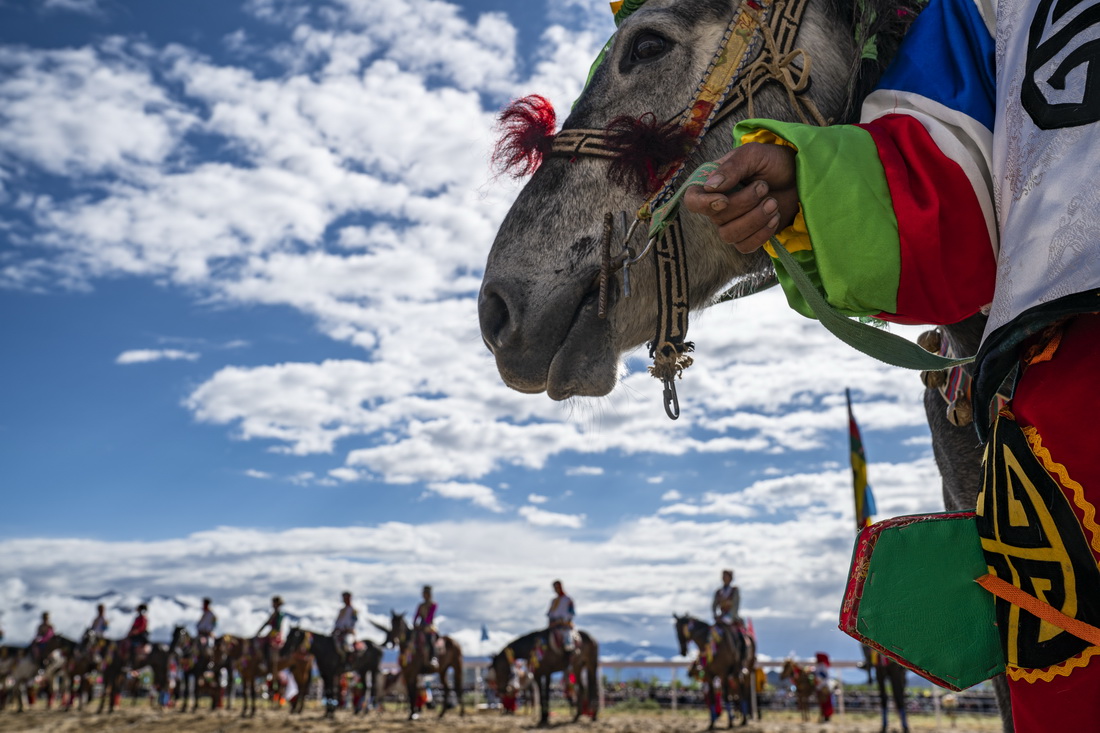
(82, 668)
(367, 661)
(297, 657)
(721, 660)
(805, 687)
(55, 668)
(195, 663)
(886, 669)
(415, 658)
(120, 658)
(24, 668)
(258, 659)
(330, 664)
(227, 655)
(543, 660)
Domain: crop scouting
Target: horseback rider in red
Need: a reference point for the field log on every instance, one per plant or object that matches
(139, 633)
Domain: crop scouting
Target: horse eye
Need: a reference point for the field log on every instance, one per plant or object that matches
(647, 46)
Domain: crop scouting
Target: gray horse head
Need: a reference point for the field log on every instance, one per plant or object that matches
(538, 300)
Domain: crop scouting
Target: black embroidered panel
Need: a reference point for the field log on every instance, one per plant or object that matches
(1032, 539)
(1045, 43)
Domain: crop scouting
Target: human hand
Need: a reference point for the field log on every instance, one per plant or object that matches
(752, 195)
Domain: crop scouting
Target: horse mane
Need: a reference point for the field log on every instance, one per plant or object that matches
(878, 27)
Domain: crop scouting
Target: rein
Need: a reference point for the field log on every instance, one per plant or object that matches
(763, 30)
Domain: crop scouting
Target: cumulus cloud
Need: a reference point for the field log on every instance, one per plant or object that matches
(476, 494)
(543, 518)
(672, 495)
(584, 471)
(142, 356)
(537, 499)
(87, 7)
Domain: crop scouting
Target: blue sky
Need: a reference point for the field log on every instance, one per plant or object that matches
(240, 245)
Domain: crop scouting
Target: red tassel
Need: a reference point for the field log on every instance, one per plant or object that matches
(647, 149)
(528, 127)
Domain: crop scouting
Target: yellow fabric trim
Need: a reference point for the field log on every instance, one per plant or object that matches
(795, 238)
(1019, 674)
(616, 5)
(1062, 475)
(767, 137)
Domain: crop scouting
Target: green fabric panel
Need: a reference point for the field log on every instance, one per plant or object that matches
(849, 214)
(920, 601)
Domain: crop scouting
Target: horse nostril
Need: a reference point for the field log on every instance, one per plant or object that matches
(494, 315)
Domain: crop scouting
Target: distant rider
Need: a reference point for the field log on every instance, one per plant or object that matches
(99, 626)
(343, 631)
(273, 642)
(726, 608)
(206, 624)
(561, 615)
(139, 633)
(42, 637)
(424, 624)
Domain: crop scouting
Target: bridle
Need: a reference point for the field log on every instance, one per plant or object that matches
(757, 48)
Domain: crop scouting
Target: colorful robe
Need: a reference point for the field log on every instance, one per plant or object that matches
(968, 186)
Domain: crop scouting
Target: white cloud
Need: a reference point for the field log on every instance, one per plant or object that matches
(86, 111)
(142, 356)
(87, 7)
(254, 473)
(345, 474)
(543, 518)
(671, 495)
(476, 494)
(584, 471)
(537, 499)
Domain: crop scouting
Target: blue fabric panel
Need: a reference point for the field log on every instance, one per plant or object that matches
(948, 57)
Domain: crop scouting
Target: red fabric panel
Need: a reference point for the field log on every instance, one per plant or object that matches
(1059, 398)
(1064, 704)
(947, 264)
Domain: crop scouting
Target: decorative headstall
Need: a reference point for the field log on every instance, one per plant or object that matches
(757, 48)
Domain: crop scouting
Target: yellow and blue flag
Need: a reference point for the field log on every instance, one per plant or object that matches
(865, 500)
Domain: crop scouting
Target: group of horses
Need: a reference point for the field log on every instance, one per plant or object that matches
(70, 670)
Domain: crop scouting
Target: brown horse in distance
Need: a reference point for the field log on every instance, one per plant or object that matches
(416, 659)
(543, 660)
(802, 679)
(257, 661)
(722, 661)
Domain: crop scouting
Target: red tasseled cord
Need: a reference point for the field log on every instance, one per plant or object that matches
(528, 127)
(646, 150)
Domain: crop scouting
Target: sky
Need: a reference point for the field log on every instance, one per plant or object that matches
(240, 248)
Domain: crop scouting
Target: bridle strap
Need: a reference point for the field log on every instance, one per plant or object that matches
(757, 48)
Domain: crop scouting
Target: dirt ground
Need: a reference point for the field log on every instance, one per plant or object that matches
(140, 720)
